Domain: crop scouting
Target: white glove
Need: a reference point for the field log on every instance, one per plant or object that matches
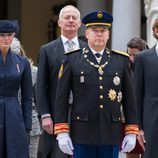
(65, 143)
(128, 143)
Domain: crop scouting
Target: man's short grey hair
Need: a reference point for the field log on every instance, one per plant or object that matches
(67, 6)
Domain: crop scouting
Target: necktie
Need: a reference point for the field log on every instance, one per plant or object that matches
(98, 57)
(69, 46)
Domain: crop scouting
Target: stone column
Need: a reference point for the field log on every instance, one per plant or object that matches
(151, 11)
(86, 6)
(126, 24)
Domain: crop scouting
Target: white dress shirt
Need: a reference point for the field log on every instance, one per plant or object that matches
(74, 40)
(156, 48)
(94, 52)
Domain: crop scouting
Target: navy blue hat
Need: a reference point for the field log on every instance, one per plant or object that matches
(98, 18)
(8, 26)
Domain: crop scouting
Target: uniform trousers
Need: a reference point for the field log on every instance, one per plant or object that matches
(95, 151)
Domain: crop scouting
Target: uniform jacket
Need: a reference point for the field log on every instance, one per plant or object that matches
(146, 89)
(50, 58)
(96, 116)
(15, 118)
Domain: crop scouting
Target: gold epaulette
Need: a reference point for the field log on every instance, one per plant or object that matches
(119, 52)
(131, 129)
(73, 51)
(61, 128)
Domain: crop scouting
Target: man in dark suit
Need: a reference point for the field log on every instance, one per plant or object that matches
(50, 58)
(100, 81)
(146, 89)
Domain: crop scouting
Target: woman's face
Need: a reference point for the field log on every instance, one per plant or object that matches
(6, 40)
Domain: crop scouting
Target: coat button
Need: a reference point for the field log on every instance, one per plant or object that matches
(100, 78)
(78, 117)
(101, 106)
(101, 96)
(101, 87)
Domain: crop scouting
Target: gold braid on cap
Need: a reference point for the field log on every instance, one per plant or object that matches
(97, 24)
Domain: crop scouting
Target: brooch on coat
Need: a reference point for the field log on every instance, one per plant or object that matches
(18, 68)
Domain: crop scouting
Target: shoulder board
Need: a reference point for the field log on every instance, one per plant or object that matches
(66, 53)
(119, 52)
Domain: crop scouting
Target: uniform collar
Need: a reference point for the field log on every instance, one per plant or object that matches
(94, 52)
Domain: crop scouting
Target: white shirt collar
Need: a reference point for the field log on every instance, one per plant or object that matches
(75, 41)
(156, 48)
(64, 39)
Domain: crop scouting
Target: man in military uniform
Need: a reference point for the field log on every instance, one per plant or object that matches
(100, 81)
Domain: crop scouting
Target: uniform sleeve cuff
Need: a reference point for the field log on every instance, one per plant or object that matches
(131, 129)
(61, 128)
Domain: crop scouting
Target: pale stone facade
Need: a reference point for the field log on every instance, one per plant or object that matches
(151, 11)
(126, 25)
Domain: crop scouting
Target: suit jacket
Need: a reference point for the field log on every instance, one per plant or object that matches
(146, 89)
(50, 58)
(96, 116)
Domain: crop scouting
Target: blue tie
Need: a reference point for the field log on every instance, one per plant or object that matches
(98, 55)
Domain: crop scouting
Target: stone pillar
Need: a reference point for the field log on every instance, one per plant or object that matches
(126, 24)
(86, 6)
(151, 11)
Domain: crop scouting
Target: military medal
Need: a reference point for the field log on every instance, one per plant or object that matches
(82, 79)
(119, 97)
(116, 80)
(112, 94)
(98, 67)
(100, 70)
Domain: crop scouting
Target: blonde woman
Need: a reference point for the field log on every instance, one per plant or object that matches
(15, 118)
(35, 132)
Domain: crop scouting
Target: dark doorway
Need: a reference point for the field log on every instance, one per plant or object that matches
(3, 9)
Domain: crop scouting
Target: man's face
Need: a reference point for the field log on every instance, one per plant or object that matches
(69, 21)
(132, 53)
(97, 37)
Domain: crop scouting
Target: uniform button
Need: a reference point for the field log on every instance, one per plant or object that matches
(119, 118)
(101, 106)
(78, 117)
(101, 87)
(100, 78)
(101, 96)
